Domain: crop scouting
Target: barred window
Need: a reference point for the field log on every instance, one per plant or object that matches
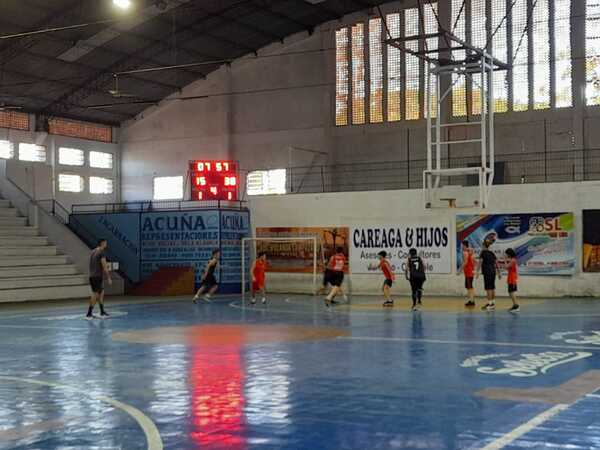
(479, 40)
(7, 150)
(266, 182)
(412, 92)
(592, 52)
(341, 77)
(70, 183)
(32, 152)
(394, 69)
(375, 71)
(520, 43)
(358, 74)
(431, 26)
(70, 156)
(101, 160)
(541, 55)
(99, 185)
(563, 92)
(500, 52)
(459, 89)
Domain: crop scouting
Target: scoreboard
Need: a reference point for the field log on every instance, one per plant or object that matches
(214, 180)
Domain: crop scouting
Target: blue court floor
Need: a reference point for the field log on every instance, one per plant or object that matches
(291, 375)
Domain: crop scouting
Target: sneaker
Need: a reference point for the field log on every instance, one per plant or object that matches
(514, 308)
(264, 301)
(415, 308)
(206, 298)
(388, 303)
(334, 302)
(345, 298)
(195, 300)
(489, 307)
(253, 301)
(104, 315)
(89, 317)
(470, 303)
(327, 303)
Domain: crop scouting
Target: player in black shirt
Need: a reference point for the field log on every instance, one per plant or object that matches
(209, 282)
(488, 267)
(415, 273)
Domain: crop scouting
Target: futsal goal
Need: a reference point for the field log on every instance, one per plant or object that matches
(293, 263)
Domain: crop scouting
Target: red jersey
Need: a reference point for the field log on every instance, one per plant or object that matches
(337, 262)
(260, 266)
(469, 263)
(513, 275)
(387, 270)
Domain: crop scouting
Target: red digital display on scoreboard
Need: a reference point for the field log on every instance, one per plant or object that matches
(214, 180)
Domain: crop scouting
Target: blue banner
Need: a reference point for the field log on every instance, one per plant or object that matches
(544, 242)
(142, 243)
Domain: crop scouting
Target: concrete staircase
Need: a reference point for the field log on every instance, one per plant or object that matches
(31, 268)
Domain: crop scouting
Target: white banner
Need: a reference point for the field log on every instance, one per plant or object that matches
(432, 241)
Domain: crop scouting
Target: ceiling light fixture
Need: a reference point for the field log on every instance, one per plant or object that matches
(123, 4)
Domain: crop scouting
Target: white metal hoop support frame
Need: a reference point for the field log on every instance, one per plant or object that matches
(312, 239)
(439, 67)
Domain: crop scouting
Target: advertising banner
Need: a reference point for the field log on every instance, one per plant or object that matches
(431, 239)
(297, 256)
(544, 242)
(591, 240)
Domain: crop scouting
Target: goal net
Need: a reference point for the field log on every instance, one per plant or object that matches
(293, 263)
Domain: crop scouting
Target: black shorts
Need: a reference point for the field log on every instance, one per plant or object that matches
(489, 281)
(512, 288)
(468, 282)
(209, 281)
(336, 278)
(388, 283)
(327, 277)
(97, 284)
(416, 284)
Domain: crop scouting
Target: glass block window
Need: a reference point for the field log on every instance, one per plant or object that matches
(412, 92)
(563, 93)
(592, 52)
(71, 156)
(500, 52)
(375, 71)
(520, 43)
(82, 130)
(14, 119)
(99, 185)
(342, 74)
(394, 71)
(70, 183)
(459, 89)
(266, 182)
(32, 152)
(541, 55)
(168, 188)
(7, 150)
(101, 160)
(358, 74)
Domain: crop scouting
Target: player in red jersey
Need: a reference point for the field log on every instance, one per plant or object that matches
(258, 270)
(513, 277)
(336, 266)
(468, 269)
(385, 267)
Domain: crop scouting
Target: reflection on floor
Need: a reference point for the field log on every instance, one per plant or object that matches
(294, 375)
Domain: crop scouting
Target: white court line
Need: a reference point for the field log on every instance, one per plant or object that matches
(43, 327)
(593, 395)
(452, 342)
(152, 435)
(525, 428)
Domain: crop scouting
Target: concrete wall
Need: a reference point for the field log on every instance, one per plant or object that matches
(40, 180)
(347, 209)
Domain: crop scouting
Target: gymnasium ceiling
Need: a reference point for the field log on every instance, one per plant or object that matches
(69, 73)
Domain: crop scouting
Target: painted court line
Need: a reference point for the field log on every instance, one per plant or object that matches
(451, 342)
(525, 428)
(152, 435)
(40, 327)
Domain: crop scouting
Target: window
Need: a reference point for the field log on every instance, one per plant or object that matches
(541, 55)
(479, 40)
(83, 130)
(394, 75)
(168, 188)
(101, 160)
(459, 89)
(592, 52)
(500, 51)
(431, 26)
(265, 182)
(70, 156)
(342, 74)
(99, 185)
(358, 74)
(375, 71)
(520, 43)
(412, 95)
(563, 92)
(70, 183)
(32, 152)
(7, 150)
(15, 120)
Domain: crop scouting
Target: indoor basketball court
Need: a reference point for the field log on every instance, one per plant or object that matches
(299, 224)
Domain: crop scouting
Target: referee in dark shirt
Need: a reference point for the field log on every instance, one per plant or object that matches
(98, 270)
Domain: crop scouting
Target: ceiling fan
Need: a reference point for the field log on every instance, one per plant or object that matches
(5, 107)
(117, 93)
